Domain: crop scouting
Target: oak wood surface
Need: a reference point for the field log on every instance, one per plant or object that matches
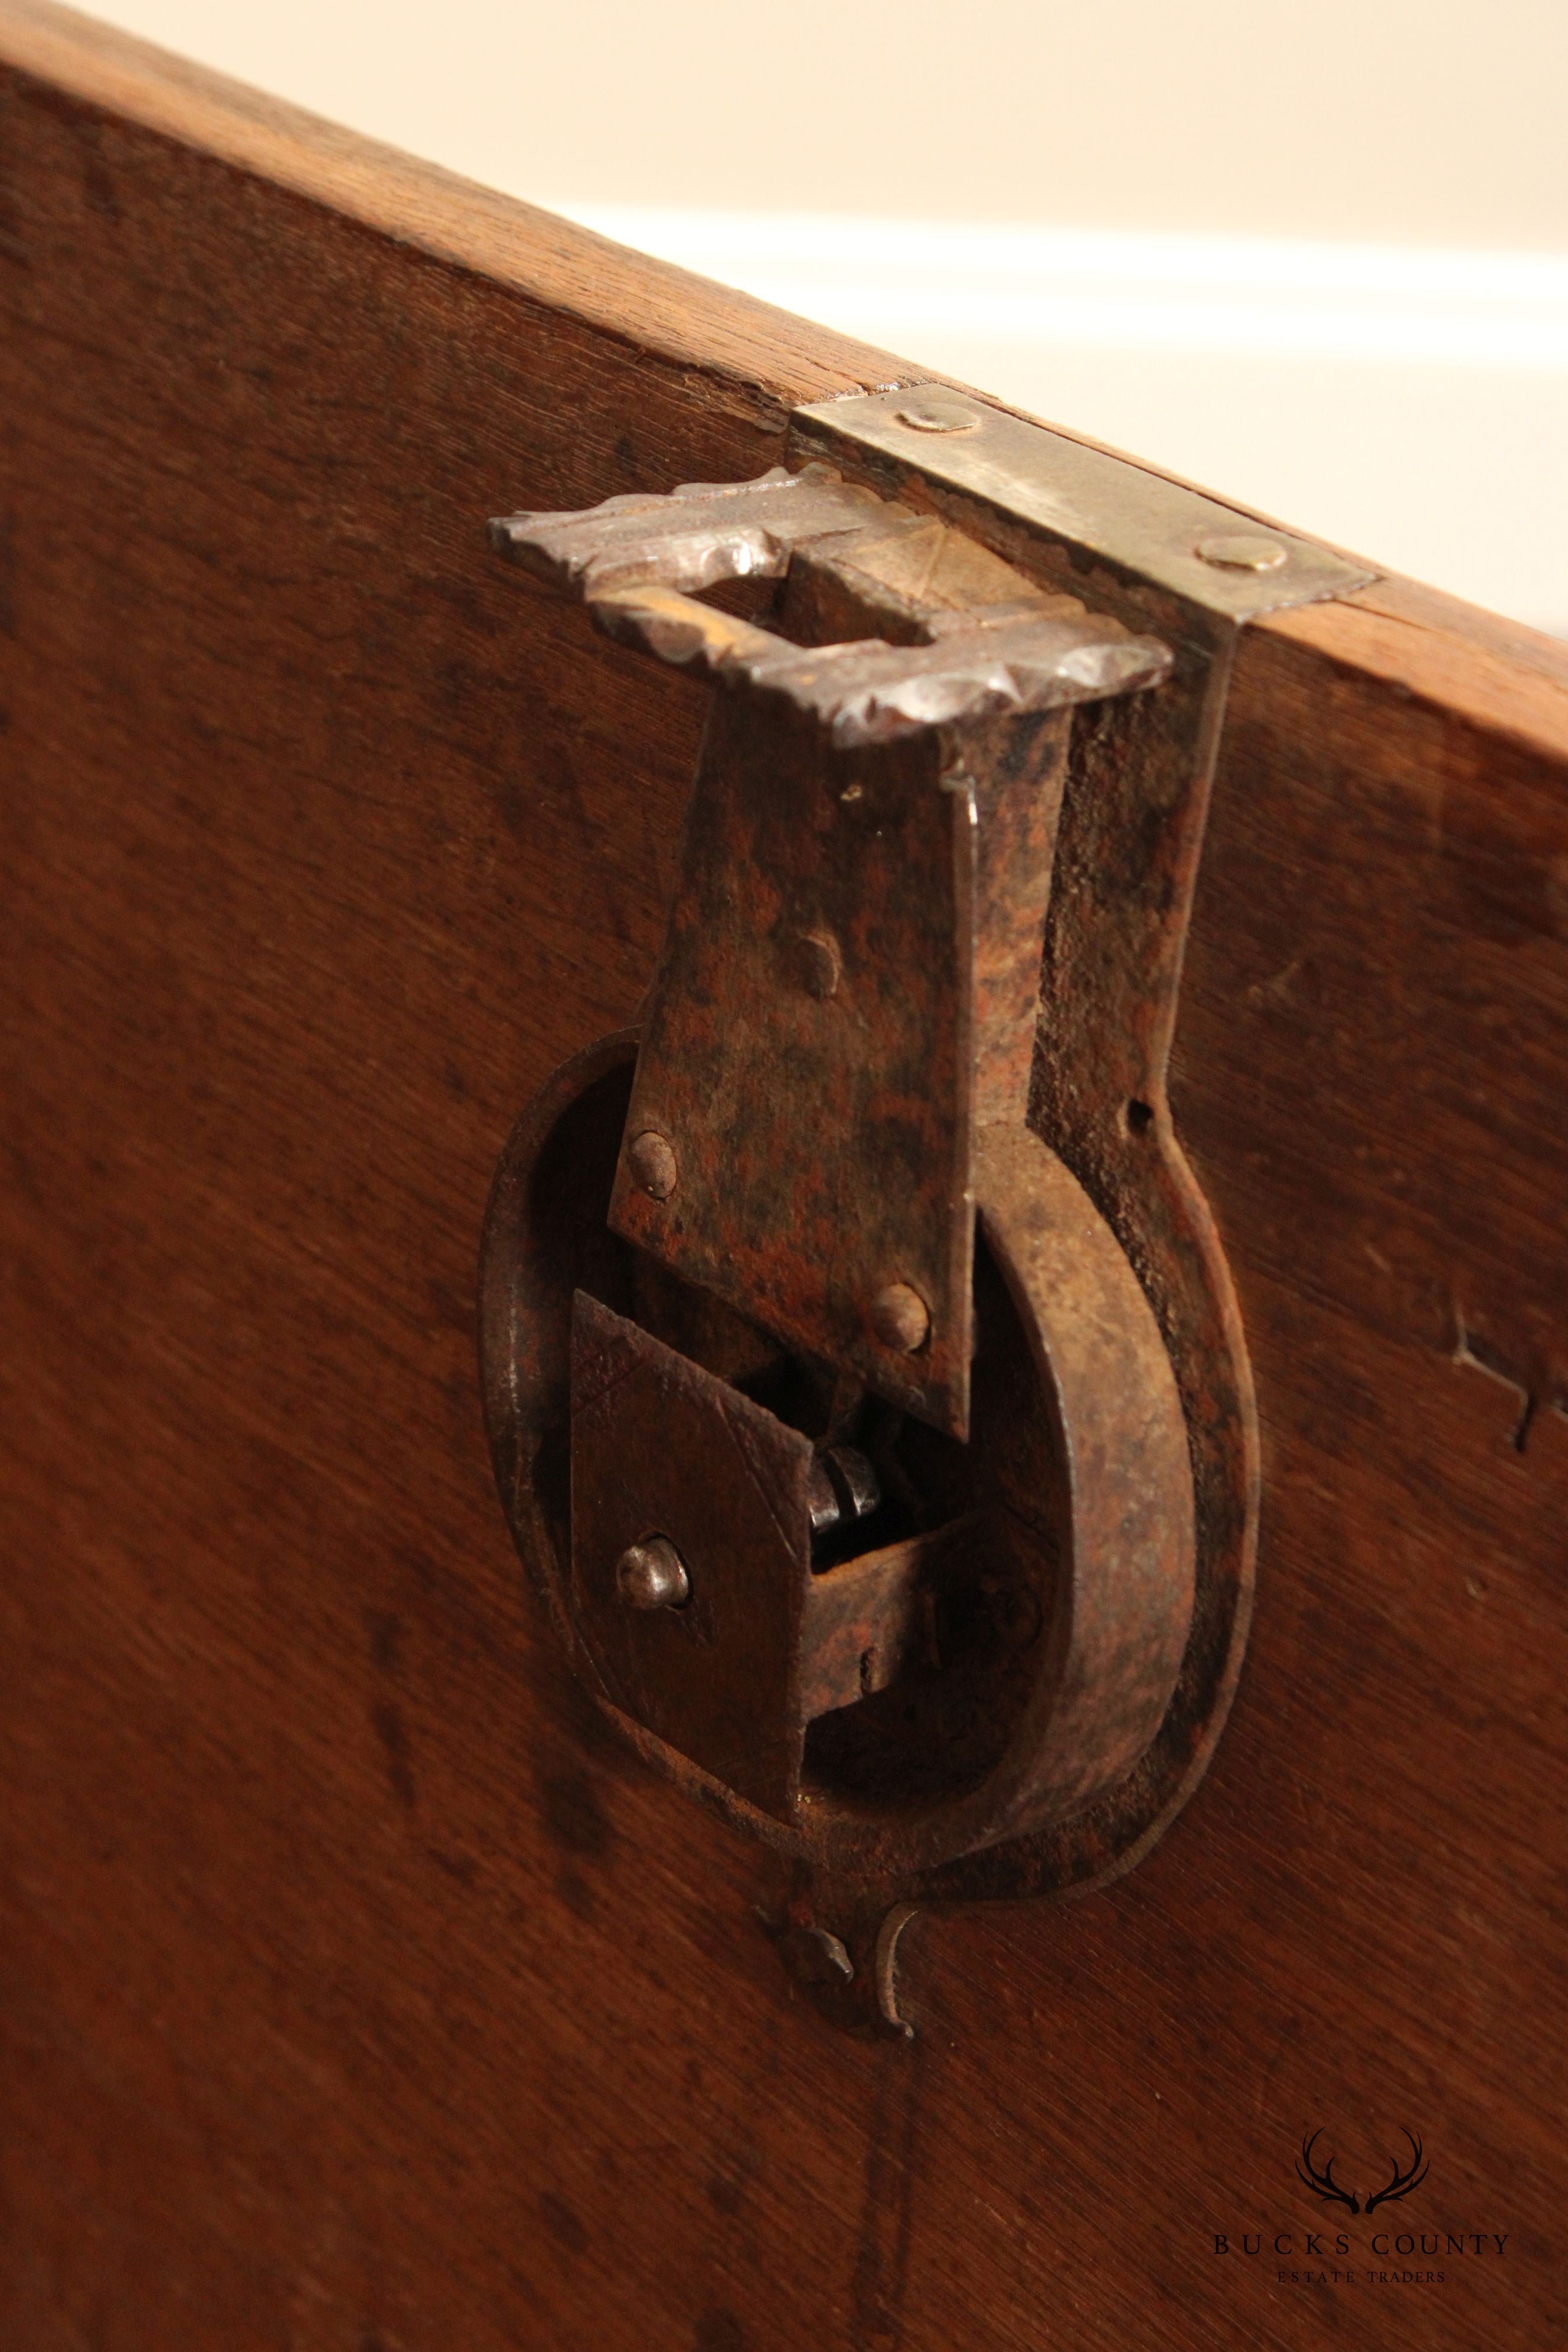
(357, 1991)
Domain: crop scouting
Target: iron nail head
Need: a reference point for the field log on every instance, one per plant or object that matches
(651, 1574)
(653, 1164)
(901, 1318)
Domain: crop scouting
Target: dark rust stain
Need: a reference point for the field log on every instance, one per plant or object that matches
(719, 2330)
(387, 1721)
(461, 1867)
(563, 2222)
(97, 176)
(574, 1814)
(576, 1894)
(8, 577)
(386, 1636)
(880, 2280)
(727, 2190)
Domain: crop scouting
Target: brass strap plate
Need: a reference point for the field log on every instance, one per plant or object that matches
(1142, 526)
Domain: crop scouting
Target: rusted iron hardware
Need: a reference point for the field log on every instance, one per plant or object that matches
(851, 975)
(864, 1381)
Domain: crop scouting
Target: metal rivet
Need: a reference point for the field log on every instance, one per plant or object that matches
(821, 965)
(936, 417)
(651, 1159)
(652, 1575)
(901, 1318)
(1242, 552)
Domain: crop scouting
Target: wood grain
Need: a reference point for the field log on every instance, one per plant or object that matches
(357, 1992)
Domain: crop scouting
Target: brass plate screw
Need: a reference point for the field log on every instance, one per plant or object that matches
(1242, 552)
(937, 416)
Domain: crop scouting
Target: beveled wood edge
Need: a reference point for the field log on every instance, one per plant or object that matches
(767, 356)
(1497, 676)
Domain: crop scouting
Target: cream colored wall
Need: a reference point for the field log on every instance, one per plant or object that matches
(1373, 370)
(1436, 121)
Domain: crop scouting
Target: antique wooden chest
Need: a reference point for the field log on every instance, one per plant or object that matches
(364, 1986)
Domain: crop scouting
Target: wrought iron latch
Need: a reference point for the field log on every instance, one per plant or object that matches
(865, 1389)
